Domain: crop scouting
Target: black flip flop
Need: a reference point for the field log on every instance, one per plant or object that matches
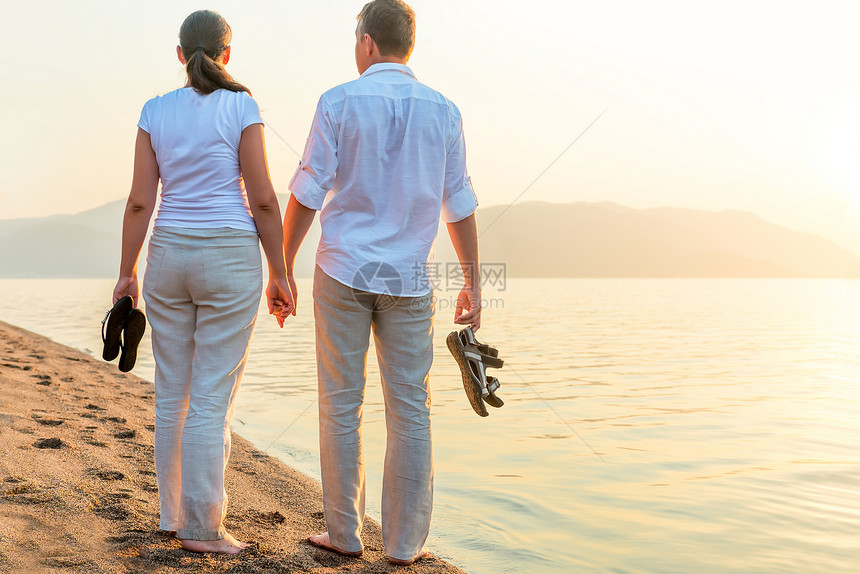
(135, 326)
(112, 326)
(474, 358)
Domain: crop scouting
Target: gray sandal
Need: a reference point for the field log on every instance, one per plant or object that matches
(474, 358)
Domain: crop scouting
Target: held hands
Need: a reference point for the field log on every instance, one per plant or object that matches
(468, 309)
(281, 296)
(126, 285)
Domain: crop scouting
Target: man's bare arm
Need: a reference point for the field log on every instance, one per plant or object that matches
(464, 236)
(297, 221)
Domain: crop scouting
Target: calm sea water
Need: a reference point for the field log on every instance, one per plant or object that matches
(649, 426)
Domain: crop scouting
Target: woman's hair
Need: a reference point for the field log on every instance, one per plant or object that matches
(203, 37)
(391, 24)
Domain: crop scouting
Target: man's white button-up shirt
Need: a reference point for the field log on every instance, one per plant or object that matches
(384, 159)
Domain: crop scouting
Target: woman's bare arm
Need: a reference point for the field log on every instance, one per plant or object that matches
(138, 212)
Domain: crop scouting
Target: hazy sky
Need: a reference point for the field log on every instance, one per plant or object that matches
(751, 105)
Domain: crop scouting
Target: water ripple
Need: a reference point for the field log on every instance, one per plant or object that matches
(725, 415)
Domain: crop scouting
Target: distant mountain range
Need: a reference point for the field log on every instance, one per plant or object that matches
(532, 239)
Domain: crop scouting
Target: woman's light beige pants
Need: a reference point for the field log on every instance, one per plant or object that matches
(403, 334)
(202, 289)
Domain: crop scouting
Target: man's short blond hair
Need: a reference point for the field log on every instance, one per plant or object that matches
(391, 24)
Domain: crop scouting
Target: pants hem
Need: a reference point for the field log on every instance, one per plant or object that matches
(201, 534)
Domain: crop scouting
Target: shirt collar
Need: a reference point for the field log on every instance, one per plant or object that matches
(389, 67)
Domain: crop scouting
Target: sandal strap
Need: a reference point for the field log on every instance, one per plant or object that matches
(479, 351)
(488, 350)
(485, 360)
(492, 362)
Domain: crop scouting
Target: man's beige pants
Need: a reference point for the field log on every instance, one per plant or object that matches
(402, 328)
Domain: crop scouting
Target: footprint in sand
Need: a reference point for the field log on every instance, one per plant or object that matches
(108, 474)
(91, 407)
(273, 517)
(49, 422)
(128, 433)
(118, 496)
(19, 367)
(134, 537)
(246, 469)
(111, 510)
(52, 442)
(20, 491)
(44, 380)
(327, 559)
(14, 485)
(65, 562)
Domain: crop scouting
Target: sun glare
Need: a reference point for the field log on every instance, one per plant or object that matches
(833, 142)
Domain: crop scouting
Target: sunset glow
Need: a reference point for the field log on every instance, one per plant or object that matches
(742, 106)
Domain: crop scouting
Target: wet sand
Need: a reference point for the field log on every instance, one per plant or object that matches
(78, 490)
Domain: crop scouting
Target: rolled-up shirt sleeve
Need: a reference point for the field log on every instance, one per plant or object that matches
(315, 175)
(458, 197)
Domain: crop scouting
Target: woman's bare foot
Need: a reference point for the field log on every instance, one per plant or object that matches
(227, 545)
(323, 541)
(398, 562)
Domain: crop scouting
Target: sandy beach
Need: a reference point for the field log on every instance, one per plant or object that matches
(78, 490)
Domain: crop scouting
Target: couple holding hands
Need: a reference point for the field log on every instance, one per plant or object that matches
(385, 159)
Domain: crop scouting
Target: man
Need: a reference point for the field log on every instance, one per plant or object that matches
(385, 157)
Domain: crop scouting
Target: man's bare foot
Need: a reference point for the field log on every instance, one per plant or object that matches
(323, 541)
(398, 562)
(227, 545)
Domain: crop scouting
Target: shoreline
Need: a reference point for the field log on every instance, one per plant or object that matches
(78, 490)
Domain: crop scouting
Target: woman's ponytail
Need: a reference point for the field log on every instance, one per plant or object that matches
(203, 37)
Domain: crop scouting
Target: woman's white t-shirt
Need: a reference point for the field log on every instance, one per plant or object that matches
(196, 142)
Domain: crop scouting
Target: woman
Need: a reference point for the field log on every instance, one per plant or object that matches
(203, 278)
